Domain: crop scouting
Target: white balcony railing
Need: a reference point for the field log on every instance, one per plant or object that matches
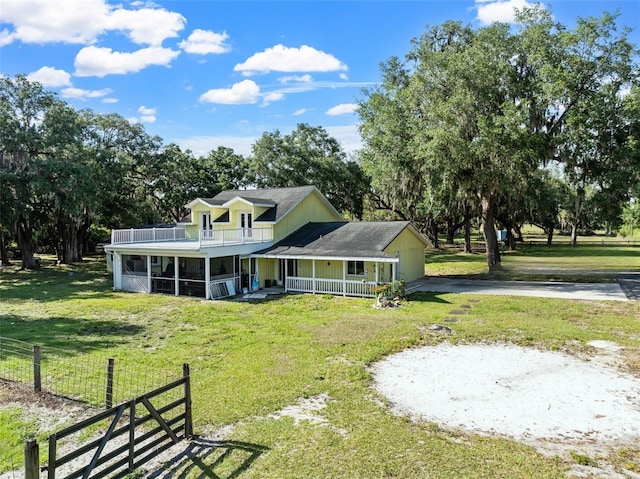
(236, 236)
(363, 289)
(147, 235)
(210, 237)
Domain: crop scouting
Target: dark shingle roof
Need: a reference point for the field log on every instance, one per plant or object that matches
(366, 239)
(284, 199)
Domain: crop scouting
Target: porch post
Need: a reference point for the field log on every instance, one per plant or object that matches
(250, 272)
(313, 275)
(286, 273)
(257, 272)
(377, 272)
(176, 275)
(393, 271)
(148, 273)
(117, 271)
(344, 278)
(207, 278)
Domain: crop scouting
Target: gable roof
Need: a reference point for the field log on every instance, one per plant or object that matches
(358, 239)
(279, 201)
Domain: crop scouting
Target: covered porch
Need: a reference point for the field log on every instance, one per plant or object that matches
(201, 277)
(354, 277)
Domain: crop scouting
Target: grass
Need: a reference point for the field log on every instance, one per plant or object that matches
(581, 263)
(249, 360)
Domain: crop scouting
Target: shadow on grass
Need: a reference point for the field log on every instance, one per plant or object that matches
(59, 333)
(427, 297)
(203, 458)
(51, 283)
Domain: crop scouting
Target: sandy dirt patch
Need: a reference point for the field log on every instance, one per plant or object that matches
(550, 400)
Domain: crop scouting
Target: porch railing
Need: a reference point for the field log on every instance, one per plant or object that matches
(148, 235)
(363, 289)
(235, 236)
(210, 237)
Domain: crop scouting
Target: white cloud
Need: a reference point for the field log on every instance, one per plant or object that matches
(283, 59)
(202, 145)
(348, 137)
(242, 93)
(500, 11)
(80, 94)
(299, 112)
(83, 21)
(147, 26)
(203, 42)
(342, 109)
(343, 76)
(271, 97)
(97, 61)
(6, 37)
(50, 77)
(110, 100)
(296, 78)
(147, 115)
(42, 21)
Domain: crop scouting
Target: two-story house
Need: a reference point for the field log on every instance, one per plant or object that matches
(242, 240)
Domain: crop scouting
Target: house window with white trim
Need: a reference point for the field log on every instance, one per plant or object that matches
(355, 268)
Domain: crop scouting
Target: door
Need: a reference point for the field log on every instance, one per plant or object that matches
(206, 226)
(246, 224)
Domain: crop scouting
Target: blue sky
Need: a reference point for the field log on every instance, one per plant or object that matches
(209, 73)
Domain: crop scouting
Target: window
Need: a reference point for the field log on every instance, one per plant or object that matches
(355, 268)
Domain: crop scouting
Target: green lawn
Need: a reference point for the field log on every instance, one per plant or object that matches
(583, 263)
(249, 360)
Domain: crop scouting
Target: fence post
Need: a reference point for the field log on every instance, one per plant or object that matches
(109, 396)
(31, 459)
(51, 464)
(188, 422)
(37, 378)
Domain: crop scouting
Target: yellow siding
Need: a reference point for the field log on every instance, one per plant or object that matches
(411, 251)
(310, 209)
(334, 270)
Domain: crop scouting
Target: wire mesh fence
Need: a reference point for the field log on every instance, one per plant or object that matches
(11, 465)
(97, 380)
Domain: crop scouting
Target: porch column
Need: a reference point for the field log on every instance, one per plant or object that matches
(176, 275)
(257, 272)
(149, 272)
(313, 275)
(344, 278)
(393, 271)
(250, 272)
(286, 273)
(117, 271)
(377, 272)
(207, 278)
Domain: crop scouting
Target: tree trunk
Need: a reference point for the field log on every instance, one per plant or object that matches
(511, 240)
(489, 230)
(451, 231)
(4, 256)
(70, 244)
(467, 230)
(518, 233)
(25, 243)
(574, 234)
(549, 236)
(578, 211)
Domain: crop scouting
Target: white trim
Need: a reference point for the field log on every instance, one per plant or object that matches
(327, 258)
(228, 203)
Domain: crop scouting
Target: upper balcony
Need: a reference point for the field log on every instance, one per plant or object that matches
(219, 237)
